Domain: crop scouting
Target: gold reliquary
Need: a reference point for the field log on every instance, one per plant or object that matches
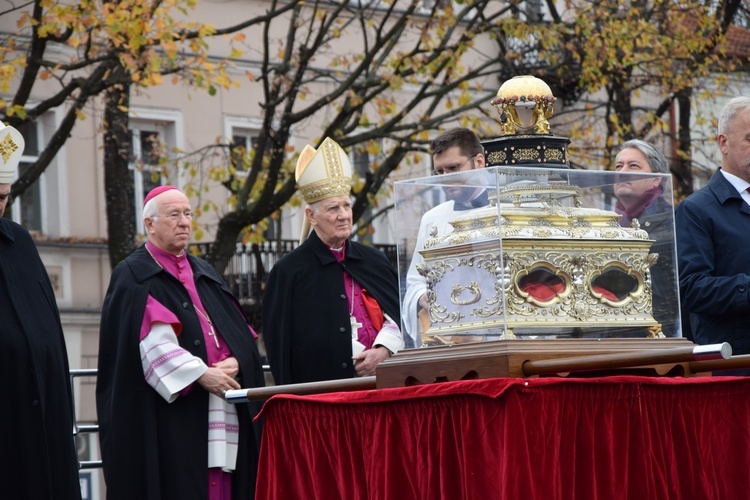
(543, 258)
(557, 266)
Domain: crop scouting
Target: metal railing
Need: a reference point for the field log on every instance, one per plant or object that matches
(94, 428)
(83, 428)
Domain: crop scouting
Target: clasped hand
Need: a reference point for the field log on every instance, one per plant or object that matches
(366, 361)
(219, 378)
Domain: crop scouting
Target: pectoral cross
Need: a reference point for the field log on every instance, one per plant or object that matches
(355, 326)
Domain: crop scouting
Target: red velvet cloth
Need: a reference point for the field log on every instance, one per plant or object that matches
(602, 438)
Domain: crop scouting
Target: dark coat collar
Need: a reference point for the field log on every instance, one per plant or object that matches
(143, 266)
(324, 254)
(6, 230)
(724, 190)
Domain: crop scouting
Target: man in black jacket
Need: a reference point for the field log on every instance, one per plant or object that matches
(331, 306)
(173, 340)
(38, 458)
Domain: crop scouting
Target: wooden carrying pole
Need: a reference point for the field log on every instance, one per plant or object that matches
(627, 359)
(260, 393)
(733, 363)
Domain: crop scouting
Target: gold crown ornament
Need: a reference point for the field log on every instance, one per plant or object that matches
(11, 150)
(524, 102)
(323, 173)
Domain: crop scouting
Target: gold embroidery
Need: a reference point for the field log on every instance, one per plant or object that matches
(7, 147)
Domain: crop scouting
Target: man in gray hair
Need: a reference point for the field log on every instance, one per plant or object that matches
(173, 340)
(713, 226)
(330, 307)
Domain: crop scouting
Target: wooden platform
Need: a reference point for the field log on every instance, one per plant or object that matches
(506, 358)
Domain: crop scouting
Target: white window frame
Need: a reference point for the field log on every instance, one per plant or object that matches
(52, 184)
(241, 126)
(17, 209)
(249, 127)
(169, 125)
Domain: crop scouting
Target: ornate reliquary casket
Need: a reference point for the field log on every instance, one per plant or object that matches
(535, 262)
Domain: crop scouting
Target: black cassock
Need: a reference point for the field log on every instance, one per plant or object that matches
(306, 327)
(151, 449)
(37, 452)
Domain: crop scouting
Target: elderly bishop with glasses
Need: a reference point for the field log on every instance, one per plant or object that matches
(173, 340)
(330, 307)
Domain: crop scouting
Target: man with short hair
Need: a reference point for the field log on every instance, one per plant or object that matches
(455, 150)
(173, 341)
(38, 453)
(713, 228)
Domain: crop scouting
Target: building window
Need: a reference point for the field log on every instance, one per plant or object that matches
(28, 208)
(243, 141)
(426, 6)
(365, 158)
(535, 11)
(147, 146)
(155, 135)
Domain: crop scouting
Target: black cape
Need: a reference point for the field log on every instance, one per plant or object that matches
(306, 326)
(38, 458)
(152, 449)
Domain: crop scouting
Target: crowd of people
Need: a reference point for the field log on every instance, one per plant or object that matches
(174, 339)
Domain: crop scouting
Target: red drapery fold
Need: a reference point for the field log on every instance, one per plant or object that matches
(604, 438)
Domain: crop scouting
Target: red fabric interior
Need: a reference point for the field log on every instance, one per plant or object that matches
(606, 293)
(601, 438)
(543, 292)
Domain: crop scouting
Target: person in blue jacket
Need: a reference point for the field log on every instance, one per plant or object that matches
(713, 228)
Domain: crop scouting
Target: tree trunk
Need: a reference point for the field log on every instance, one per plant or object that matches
(225, 245)
(683, 170)
(118, 184)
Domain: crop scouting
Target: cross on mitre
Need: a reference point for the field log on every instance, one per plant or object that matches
(11, 150)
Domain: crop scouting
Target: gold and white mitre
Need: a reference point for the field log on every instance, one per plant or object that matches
(323, 173)
(11, 150)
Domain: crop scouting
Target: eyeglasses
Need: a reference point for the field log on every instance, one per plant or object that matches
(176, 216)
(454, 168)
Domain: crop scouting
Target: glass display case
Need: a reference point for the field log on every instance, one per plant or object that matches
(526, 252)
